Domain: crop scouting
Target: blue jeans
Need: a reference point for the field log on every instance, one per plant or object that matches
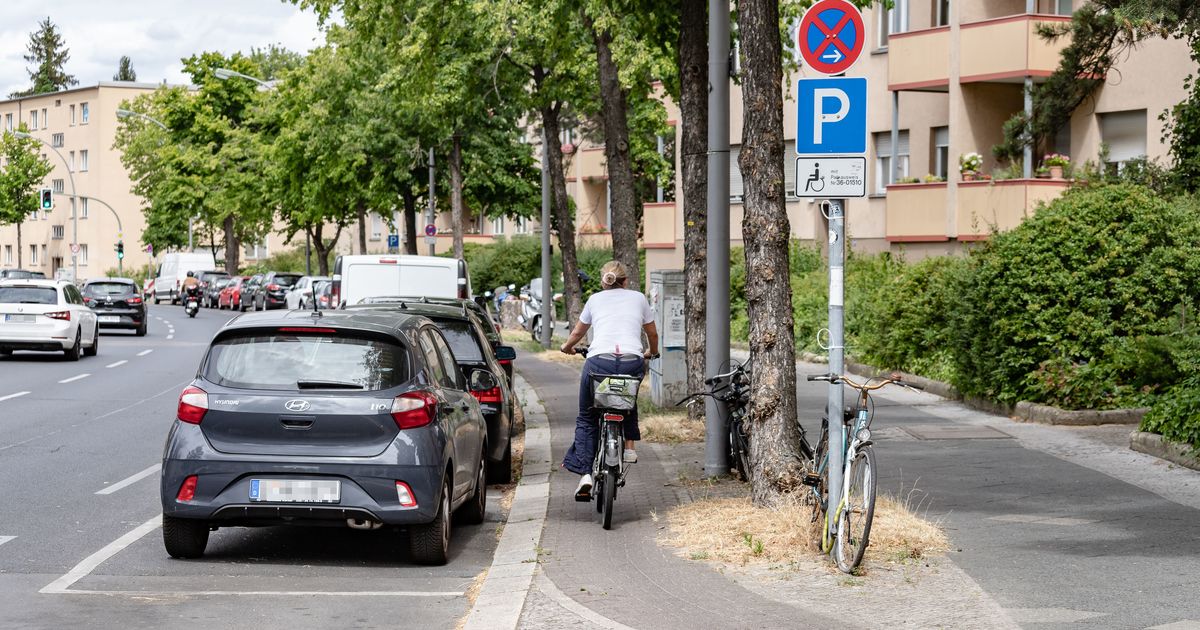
(579, 457)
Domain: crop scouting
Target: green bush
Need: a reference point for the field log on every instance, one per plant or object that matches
(291, 260)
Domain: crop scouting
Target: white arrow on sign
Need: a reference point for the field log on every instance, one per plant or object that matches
(833, 57)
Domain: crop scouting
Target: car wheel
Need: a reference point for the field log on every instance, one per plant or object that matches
(95, 349)
(472, 512)
(184, 538)
(241, 308)
(141, 330)
(430, 543)
(501, 471)
(156, 300)
(73, 352)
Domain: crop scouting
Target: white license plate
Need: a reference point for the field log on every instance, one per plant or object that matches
(20, 319)
(110, 319)
(296, 490)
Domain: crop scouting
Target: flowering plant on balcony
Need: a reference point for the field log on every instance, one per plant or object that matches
(1056, 159)
(593, 229)
(933, 179)
(970, 162)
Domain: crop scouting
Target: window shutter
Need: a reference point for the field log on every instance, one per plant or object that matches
(736, 191)
(1125, 134)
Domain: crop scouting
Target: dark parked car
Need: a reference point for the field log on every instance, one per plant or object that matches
(208, 280)
(118, 303)
(474, 352)
(355, 419)
(271, 291)
(211, 296)
(20, 274)
(249, 290)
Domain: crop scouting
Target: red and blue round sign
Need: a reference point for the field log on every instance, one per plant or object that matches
(831, 36)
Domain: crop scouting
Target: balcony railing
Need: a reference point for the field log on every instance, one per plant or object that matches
(985, 207)
(588, 164)
(919, 60)
(1008, 49)
(916, 213)
(659, 224)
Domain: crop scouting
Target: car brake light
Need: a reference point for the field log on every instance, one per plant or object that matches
(187, 490)
(335, 293)
(492, 395)
(272, 287)
(193, 404)
(405, 495)
(309, 330)
(87, 300)
(63, 315)
(388, 261)
(414, 409)
(135, 300)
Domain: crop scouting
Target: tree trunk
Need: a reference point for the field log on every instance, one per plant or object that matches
(564, 222)
(231, 245)
(19, 245)
(319, 248)
(774, 442)
(456, 195)
(614, 113)
(410, 222)
(362, 226)
(693, 105)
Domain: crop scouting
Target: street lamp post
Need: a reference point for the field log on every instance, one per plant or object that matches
(125, 113)
(120, 230)
(225, 74)
(74, 215)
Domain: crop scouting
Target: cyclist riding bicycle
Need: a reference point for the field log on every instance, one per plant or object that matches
(619, 316)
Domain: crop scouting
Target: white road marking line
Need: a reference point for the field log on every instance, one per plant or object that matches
(130, 480)
(75, 378)
(4, 539)
(170, 336)
(443, 594)
(117, 364)
(111, 549)
(144, 353)
(11, 396)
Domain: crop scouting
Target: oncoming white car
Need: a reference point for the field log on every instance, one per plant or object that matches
(47, 315)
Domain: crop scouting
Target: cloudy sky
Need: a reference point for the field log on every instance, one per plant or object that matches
(154, 34)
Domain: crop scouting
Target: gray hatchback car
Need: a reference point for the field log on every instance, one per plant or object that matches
(348, 419)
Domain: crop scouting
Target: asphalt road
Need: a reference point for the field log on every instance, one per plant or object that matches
(79, 542)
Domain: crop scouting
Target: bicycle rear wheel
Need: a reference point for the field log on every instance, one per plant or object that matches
(608, 498)
(858, 508)
(740, 449)
(820, 465)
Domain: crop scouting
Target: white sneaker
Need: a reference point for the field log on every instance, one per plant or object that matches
(630, 456)
(583, 492)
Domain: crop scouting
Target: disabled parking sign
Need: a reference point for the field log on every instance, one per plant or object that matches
(831, 36)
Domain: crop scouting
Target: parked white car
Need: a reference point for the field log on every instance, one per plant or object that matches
(172, 270)
(47, 315)
(301, 294)
(359, 278)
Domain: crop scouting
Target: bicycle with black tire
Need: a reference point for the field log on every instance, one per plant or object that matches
(733, 389)
(853, 516)
(614, 398)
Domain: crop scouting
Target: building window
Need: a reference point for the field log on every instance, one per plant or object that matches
(789, 169)
(44, 258)
(522, 225)
(57, 185)
(72, 115)
(71, 161)
(72, 207)
(83, 160)
(884, 174)
(83, 254)
(257, 250)
(498, 225)
(736, 189)
(376, 227)
(56, 232)
(83, 207)
(1125, 135)
(941, 152)
(83, 113)
(33, 260)
(894, 20)
(33, 120)
(1063, 7)
(45, 118)
(8, 254)
(56, 140)
(8, 122)
(943, 13)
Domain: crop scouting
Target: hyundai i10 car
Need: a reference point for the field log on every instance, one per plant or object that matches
(345, 419)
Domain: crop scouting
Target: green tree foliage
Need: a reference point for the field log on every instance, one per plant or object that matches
(274, 61)
(125, 71)
(1182, 130)
(47, 55)
(20, 178)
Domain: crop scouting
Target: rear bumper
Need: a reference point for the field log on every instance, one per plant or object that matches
(45, 346)
(56, 336)
(125, 319)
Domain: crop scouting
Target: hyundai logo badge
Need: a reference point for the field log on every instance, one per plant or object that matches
(297, 405)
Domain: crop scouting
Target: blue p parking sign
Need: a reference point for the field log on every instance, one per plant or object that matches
(832, 116)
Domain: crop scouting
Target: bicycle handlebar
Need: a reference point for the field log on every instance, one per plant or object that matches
(867, 386)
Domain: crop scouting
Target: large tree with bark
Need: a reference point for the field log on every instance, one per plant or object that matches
(22, 169)
(693, 108)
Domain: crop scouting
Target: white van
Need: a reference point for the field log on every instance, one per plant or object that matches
(173, 269)
(358, 278)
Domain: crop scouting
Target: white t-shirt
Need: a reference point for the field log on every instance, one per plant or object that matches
(616, 317)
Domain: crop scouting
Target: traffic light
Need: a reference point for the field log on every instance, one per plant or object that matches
(120, 250)
(47, 199)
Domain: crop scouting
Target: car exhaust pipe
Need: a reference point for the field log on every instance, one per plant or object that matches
(363, 524)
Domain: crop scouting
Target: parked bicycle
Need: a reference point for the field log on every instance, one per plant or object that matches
(733, 389)
(852, 517)
(614, 399)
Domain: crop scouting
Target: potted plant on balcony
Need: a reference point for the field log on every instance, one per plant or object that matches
(1042, 172)
(1056, 162)
(969, 165)
(933, 179)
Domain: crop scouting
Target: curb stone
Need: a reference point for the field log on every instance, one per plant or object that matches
(1033, 412)
(502, 596)
(1174, 452)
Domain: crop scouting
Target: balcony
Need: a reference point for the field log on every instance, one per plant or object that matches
(916, 213)
(1007, 49)
(658, 225)
(989, 206)
(588, 164)
(919, 60)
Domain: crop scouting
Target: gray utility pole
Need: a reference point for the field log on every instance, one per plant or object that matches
(837, 312)
(1027, 166)
(120, 230)
(716, 348)
(547, 294)
(432, 246)
(74, 215)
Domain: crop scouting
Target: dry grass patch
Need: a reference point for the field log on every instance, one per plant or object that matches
(734, 531)
(554, 356)
(670, 428)
(472, 593)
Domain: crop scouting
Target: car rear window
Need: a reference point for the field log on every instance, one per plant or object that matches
(286, 281)
(108, 288)
(28, 295)
(290, 361)
(462, 340)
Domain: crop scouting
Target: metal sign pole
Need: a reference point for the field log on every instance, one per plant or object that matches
(716, 347)
(837, 430)
(547, 294)
(432, 247)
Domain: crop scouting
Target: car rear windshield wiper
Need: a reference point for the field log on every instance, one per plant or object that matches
(327, 385)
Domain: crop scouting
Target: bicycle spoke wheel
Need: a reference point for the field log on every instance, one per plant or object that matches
(608, 498)
(858, 508)
(820, 492)
(741, 450)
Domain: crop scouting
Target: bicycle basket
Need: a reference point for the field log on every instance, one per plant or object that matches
(615, 391)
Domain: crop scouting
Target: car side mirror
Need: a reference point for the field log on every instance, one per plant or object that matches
(482, 381)
(506, 353)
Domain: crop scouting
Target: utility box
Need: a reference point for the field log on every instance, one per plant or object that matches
(668, 375)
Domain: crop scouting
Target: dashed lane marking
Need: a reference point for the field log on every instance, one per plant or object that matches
(170, 337)
(11, 396)
(130, 480)
(75, 378)
(117, 364)
(4, 539)
(144, 353)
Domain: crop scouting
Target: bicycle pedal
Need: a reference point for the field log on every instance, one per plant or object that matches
(811, 479)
